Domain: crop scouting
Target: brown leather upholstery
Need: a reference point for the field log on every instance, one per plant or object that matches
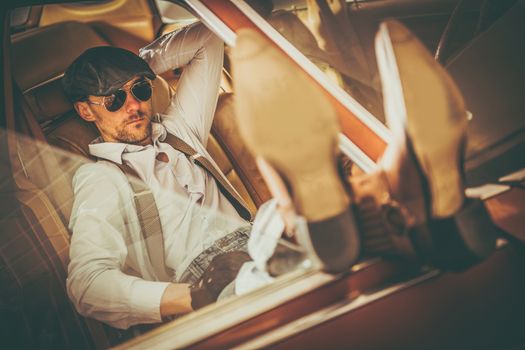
(47, 101)
(73, 134)
(44, 53)
(242, 167)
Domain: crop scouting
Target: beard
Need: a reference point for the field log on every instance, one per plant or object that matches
(136, 133)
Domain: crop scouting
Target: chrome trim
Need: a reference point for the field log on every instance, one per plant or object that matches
(348, 101)
(517, 176)
(490, 190)
(328, 313)
(364, 264)
(213, 22)
(43, 83)
(24, 170)
(356, 154)
(486, 191)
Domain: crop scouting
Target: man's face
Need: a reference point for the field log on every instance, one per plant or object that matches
(129, 124)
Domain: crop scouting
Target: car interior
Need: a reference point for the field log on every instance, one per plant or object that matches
(46, 141)
(47, 116)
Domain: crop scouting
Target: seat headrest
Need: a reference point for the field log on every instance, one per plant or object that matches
(73, 134)
(41, 54)
(48, 101)
(162, 94)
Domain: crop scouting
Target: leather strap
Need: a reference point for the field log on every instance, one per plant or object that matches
(226, 188)
(150, 225)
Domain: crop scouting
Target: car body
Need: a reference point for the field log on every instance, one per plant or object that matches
(380, 303)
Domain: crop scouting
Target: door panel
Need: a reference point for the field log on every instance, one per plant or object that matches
(481, 308)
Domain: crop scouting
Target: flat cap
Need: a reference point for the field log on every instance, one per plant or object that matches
(102, 70)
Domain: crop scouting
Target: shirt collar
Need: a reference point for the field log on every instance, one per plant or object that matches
(113, 151)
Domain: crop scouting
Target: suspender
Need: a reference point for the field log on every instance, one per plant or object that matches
(149, 221)
(226, 188)
(148, 214)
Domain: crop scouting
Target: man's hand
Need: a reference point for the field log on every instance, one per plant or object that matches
(175, 300)
(180, 298)
(222, 271)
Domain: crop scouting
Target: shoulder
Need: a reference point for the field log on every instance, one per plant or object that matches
(99, 169)
(102, 175)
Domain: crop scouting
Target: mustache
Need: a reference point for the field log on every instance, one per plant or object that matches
(139, 115)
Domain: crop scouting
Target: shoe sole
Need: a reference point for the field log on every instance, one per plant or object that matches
(423, 104)
(284, 118)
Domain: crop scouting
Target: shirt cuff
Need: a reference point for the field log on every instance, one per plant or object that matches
(145, 300)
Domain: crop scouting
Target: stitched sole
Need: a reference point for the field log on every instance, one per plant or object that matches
(423, 104)
(285, 119)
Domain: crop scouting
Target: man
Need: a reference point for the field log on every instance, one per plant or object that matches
(110, 87)
(110, 277)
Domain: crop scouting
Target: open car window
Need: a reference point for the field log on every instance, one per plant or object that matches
(338, 37)
(325, 34)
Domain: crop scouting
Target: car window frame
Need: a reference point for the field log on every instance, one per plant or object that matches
(363, 137)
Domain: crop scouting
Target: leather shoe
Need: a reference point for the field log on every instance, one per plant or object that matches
(286, 121)
(414, 204)
(427, 117)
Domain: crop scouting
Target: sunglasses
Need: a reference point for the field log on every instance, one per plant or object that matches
(141, 90)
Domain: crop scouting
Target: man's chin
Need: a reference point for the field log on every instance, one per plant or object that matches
(137, 134)
(142, 139)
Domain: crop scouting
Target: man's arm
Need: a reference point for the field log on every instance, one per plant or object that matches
(104, 233)
(201, 53)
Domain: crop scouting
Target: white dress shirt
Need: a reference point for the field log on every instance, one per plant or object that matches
(110, 277)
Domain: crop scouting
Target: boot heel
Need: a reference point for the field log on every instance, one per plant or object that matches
(458, 242)
(334, 241)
